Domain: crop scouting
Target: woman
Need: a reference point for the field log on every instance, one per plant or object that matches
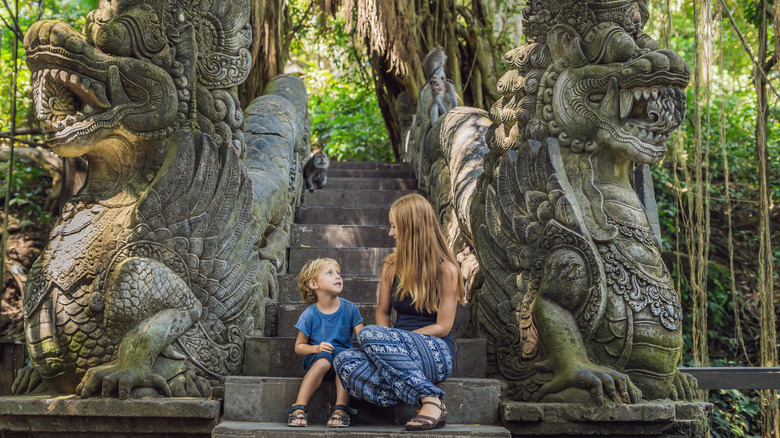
(421, 281)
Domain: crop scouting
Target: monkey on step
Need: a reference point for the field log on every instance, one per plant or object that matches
(315, 171)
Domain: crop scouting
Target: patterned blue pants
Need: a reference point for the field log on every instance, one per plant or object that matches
(393, 366)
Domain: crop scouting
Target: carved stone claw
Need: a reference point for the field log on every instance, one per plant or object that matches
(110, 380)
(600, 381)
(684, 387)
(27, 381)
(189, 384)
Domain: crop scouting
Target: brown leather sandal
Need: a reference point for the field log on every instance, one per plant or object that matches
(342, 419)
(426, 422)
(294, 413)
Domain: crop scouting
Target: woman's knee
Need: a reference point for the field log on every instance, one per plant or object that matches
(371, 333)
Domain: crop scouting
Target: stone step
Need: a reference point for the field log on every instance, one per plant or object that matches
(264, 356)
(70, 416)
(332, 197)
(370, 173)
(353, 261)
(246, 429)
(370, 184)
(357, 288)
(340, 236)
(346, 215)
(262, 399)
(370, 165)
(657, 418)
(281, 318)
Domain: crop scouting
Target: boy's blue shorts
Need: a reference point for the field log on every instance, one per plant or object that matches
(309, 360)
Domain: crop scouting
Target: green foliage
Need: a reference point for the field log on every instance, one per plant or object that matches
(346, 121)
(28, 195)
(735, 414)
(73, 12)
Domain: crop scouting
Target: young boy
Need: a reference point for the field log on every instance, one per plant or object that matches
(324, 329)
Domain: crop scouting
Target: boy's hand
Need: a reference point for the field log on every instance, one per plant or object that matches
(325, 346)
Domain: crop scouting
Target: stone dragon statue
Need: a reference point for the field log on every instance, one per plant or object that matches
(551, 191)
(576, 302)
(149, 279)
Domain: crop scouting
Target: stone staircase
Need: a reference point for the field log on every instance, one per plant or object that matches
(347, 221)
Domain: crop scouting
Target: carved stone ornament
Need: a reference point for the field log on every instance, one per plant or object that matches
(150, 276)
(577, 304)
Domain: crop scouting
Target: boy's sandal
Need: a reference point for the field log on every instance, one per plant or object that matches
(342, 419)
(426, 422)
(292, 415)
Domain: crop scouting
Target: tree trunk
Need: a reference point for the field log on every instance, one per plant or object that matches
(700, 243)
(399, 34)
(768, 343)
(271, 37)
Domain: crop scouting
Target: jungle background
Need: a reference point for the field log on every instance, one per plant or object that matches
(717, 189)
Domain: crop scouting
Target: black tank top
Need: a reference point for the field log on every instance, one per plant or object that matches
(408, 318)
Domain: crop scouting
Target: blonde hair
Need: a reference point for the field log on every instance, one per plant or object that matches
(420, 251)
(310, 271)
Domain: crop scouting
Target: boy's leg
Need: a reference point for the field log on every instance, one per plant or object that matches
(342, 398)
(311, 381)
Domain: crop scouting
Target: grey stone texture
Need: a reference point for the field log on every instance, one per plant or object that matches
(355, 215)
(230, 429)
(275, 356)
(262, 399)
(352, 197)
(664, 419)
(68, 416)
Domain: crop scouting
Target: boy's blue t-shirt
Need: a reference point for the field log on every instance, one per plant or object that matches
(335, 328)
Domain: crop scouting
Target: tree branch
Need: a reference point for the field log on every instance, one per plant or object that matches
(747, 48)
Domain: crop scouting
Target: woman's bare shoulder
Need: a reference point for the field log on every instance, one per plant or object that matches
(448, 268)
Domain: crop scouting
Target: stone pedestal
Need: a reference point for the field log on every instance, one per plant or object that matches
(664, 419)
(69, 416)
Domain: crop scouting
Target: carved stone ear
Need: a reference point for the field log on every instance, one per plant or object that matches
(565, 42)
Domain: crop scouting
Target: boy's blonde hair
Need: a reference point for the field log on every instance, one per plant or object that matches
(310, 271)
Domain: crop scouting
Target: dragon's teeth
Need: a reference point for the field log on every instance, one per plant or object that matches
(88, 110)
(637, 94)
(74, 78)
(85, 83)
(64, 76)
(646, 93)
(53, 72)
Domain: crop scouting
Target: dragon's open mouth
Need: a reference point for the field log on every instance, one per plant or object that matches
(649, 114)
(70, 103)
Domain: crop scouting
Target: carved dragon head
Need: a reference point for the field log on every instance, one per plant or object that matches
(141, 70)
(592, 79)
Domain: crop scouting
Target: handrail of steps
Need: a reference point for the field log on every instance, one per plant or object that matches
(735, 377)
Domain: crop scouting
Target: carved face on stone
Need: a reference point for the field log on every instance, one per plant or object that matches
(136, 70)
(611, 94)
(85, 94)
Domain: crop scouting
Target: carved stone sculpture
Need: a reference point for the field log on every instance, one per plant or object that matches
(150, 277)
(577, 303)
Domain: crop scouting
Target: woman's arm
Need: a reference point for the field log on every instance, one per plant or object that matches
(448, 302)
(383, 300)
